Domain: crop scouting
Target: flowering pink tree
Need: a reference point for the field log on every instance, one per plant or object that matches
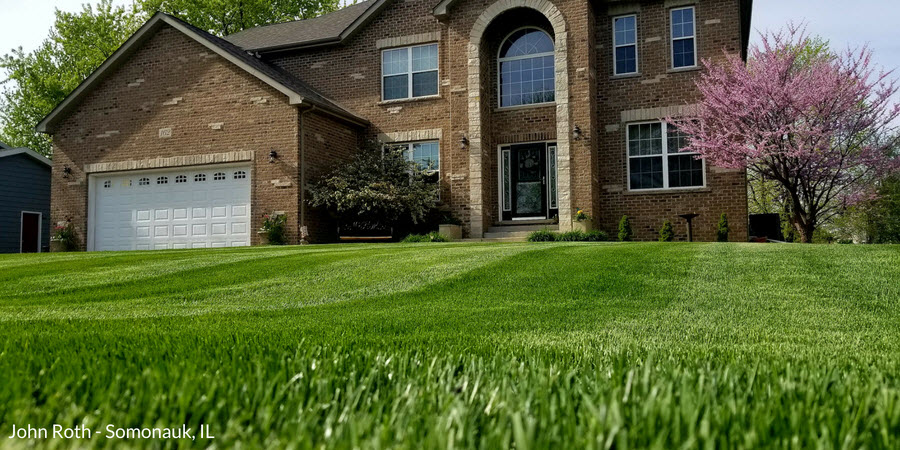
(819, 124)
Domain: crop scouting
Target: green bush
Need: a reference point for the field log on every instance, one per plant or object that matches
(544, 235)
(625, 233)
(666, 233)
(434, 236)
(572, 236)
(722, 229)
(273, 226)
(595, 236)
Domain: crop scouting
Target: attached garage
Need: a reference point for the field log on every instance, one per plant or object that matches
(196, 207)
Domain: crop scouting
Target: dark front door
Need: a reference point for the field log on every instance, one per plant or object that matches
(31, 232)
(529, 181)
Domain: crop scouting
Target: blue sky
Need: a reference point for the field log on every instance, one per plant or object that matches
(854, 23)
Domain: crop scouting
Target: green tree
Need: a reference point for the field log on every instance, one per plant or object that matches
(224, 17)
(666, 233)
(722, 229)
(37, 81)
(625, 232)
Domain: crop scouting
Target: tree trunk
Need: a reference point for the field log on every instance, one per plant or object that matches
(804, 221)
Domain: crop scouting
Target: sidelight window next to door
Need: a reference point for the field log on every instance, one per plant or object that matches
(528, 181)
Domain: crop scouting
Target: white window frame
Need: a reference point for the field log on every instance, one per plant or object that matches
(665, 159)
(410, 72)
(40, 234)
(501, 60)
(409, 152)
(672, 38)
(637, 59)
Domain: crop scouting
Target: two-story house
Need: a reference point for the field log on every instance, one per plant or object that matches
(526, 109)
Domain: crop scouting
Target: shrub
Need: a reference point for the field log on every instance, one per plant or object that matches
(273, 227)
(722, 229)
(380, 187)
(65, 234)
(595, 236)
(666, 233)
(572, 236)
(544, 235)
(625, 233)
(434, 236)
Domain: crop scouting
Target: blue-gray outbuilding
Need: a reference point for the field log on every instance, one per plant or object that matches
(24, 201)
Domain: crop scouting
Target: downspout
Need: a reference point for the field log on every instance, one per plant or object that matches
(303, 166)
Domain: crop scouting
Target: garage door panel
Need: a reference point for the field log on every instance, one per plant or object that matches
(172, 209)
(239, 210)
(179, 213)
(219, 212)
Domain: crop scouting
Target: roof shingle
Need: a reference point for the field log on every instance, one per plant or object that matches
(325, 29)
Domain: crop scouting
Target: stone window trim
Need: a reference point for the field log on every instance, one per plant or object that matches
(411, 99)
(405, 41)
(624, 9)
(433, 134)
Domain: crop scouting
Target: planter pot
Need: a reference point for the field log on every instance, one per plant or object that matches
(263, 237)
(583, 226)
(58, 246)
(453, 232)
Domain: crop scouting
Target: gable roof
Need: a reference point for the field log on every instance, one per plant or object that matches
(296, 90)
(27, 152)
(4, 146)
(327, 29)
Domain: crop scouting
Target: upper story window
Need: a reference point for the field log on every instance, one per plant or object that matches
(625, 45)
(684, 38)
(655, 162)
(526, 70)
(409, 72)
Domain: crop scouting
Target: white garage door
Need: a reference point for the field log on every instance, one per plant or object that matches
(189, 208)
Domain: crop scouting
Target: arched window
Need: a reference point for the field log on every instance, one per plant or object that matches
(526, 68)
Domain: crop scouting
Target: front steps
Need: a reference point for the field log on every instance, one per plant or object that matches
(513, 232)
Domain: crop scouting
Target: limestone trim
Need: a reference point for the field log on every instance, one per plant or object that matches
(659, 113)
(477, 152)
(402, 41)
(412, 135)
(173, 161)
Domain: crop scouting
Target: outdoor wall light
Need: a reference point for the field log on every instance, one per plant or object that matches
(273, 155)
(67, 171)
(576, 133)
(464, 142)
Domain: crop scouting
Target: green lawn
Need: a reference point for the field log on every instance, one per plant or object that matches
(460, 345)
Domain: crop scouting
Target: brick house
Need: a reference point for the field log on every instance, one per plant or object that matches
(526, 109)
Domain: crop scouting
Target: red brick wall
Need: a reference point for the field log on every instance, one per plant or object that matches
(212, 90)
(326, 144)
(718, 31)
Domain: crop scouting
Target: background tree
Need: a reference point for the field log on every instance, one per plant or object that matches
(816, 123)
(37, 81)
(224, 17)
